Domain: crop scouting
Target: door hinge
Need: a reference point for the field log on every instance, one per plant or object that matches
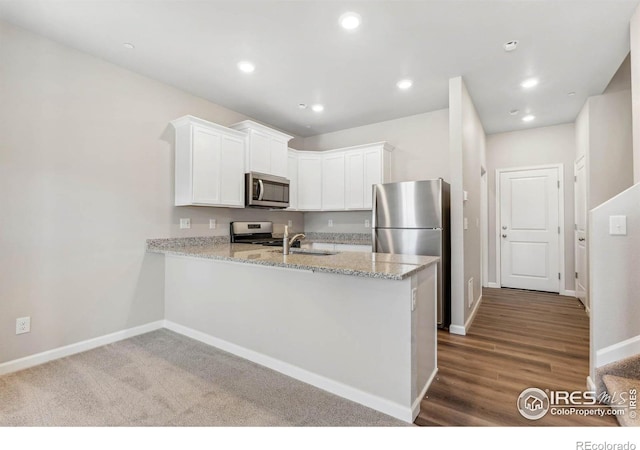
(558, 275)
(558, 184)
(575, 226)
(575, 178)
(558, 230)
(576, 274)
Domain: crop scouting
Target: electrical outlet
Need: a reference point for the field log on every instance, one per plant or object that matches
(367, 224)
(212, 224)
(23, 325)
(290, 223)
(185, 223)
(414, 294)
(330, 222)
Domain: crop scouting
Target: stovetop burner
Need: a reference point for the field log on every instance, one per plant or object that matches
(258, 233)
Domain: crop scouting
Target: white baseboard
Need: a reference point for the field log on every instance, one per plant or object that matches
(415, 408)
(616, 352)
(78, 347)
(493, 285)
(568, 293)
(462, 330)
(393, 409)
(591, 386)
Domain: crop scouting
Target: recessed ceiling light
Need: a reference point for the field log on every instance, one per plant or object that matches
(246, 66)
(531, 82)
(514, 112)
(510, 46)
(571, 94)
(302, 105)
(129, 45)
(350, 20)
(318, 108)
(404, 84)
(528, 118)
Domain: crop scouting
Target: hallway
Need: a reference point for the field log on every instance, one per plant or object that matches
(519, 339)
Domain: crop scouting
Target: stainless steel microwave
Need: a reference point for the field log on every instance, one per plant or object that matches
(266, 191)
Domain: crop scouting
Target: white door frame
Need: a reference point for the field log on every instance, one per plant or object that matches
(560, 168)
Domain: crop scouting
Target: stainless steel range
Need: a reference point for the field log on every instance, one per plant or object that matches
(260, 233)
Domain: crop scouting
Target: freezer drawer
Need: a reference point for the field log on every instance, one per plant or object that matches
(408, 241)
(422, 242)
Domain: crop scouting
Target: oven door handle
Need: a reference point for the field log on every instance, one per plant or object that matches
(260, 190)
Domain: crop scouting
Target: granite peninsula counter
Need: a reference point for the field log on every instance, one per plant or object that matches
(361, 325)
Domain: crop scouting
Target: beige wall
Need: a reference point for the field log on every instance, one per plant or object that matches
(467, 152)
(610, 146)
(621, 80)
(528, 148)
(421, 152)
(86, 170)
(635, 88)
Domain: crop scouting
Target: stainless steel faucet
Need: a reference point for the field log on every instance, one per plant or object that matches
(287, 243)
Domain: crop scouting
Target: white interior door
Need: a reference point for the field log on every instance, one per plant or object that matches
(530, 229)
(581, 231)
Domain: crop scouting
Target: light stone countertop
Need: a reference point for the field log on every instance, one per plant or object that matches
(361, 264)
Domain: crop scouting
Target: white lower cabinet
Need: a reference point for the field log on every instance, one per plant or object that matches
(209, 168)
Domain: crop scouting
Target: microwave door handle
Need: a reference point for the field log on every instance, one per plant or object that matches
(260, 190)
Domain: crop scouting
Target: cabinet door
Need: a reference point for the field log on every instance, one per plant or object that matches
(309, 182)
(259, 152)
(279, 161)
(292, 175)
(206, 166)
(372, 174)
(354, 180)
(333, 181)
(232, 171)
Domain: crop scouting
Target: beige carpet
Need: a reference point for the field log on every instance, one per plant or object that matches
(165, 379)
(623, 388)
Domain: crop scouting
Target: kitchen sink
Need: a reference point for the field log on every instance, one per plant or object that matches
(308, 251)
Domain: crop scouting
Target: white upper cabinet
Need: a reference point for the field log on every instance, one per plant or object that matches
(209, 169)
(309, 181)
(266, 150)
(333, 192)
(292, 175)
(340, 179)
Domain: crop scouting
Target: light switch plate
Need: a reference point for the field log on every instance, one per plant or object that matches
(330, 222)
(367, 224)
(466, 223)
(212, 224)
(618, 225)
(185, 223)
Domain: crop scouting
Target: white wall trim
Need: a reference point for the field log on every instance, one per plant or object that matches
(484, 228)
(78, 347)
(493, 285)
(462, 330)
(568, 293)
(591, 386)
(415, 408)
(616, 352)
(393, 409)
(561, 219)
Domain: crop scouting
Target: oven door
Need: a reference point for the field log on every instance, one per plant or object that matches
(266, 191)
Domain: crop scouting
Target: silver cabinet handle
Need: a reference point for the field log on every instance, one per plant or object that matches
(504, 235)
(260, 190)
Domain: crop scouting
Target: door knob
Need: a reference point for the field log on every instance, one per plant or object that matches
(581, 239)
(504, 235)
(504, 227)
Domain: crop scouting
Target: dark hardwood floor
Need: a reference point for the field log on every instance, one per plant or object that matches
(519, 339)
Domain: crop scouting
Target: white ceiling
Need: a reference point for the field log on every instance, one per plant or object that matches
(302, 54)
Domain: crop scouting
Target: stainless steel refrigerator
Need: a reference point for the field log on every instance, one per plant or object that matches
(413, 218)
